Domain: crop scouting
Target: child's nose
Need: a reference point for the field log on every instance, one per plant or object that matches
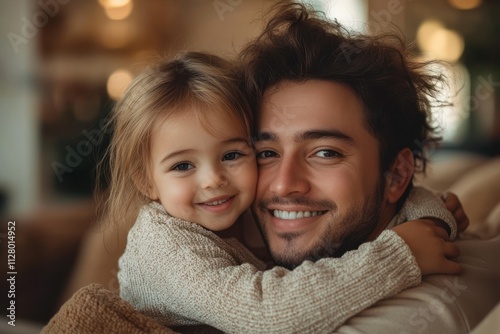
(215, 179)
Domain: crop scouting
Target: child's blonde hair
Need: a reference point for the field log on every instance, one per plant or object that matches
(192, 81)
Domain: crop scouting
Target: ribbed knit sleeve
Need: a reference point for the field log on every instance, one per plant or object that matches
(421, 203)
(181, 273)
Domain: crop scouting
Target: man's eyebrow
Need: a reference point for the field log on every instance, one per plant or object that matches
(323, 134)
(308, 135)
(265, 136)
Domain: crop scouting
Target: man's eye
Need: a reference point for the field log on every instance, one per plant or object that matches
(182, 167)
(232, 156)
(328, 154)
(266, 154)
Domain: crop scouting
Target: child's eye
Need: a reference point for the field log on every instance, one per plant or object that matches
(182, 167)
(232, 156)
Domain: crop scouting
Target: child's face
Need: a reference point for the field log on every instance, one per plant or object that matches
(206, 179)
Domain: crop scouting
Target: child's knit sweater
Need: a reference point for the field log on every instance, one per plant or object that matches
(181, 273)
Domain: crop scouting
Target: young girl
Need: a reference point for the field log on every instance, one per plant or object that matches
(182, 151)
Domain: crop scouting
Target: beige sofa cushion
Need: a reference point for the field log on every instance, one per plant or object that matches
(479, 191)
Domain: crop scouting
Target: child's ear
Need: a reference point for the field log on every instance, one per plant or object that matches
(145, 187)
(399, 175)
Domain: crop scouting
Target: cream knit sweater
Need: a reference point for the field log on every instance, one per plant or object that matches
(181, 274)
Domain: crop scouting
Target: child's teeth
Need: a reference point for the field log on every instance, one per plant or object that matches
(218, 202)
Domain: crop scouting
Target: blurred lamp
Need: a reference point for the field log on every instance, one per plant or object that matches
(438, 42)
(114, 3)
(119, 13)
(427, 29)
(117, 9)
(447, 45)
(465, 4)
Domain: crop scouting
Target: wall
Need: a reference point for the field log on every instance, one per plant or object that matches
(18, 117)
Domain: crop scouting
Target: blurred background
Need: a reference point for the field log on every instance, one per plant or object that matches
(63, 63)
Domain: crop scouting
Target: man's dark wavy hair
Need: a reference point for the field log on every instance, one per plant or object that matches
(299, 44)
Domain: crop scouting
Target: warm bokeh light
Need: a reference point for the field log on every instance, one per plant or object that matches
(118, 82)
(119, 13)
(465, 4)
(114, 3)
(446, 45)
(438, 42)
(425, 31)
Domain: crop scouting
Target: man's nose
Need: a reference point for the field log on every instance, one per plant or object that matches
(214, 178)
(290, 178)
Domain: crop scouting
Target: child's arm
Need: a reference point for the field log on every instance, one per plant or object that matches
(190, 275)
(423, 204)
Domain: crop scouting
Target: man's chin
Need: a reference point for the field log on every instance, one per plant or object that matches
(293, 260)
(290, 251)
(286, 259)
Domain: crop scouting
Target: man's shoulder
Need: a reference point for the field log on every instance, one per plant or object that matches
(476, 291)
(441, 303)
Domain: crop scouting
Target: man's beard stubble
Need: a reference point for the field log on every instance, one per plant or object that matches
(360, 221)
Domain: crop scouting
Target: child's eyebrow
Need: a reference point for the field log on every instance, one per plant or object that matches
(174, 154)
(237, 140)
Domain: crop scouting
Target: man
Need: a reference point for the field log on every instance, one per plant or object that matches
(342, 125)
(336, 116)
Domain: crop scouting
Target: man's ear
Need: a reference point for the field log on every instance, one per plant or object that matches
(399, 175)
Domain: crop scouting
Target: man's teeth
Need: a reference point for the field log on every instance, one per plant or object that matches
(296, 214)
(217, 202)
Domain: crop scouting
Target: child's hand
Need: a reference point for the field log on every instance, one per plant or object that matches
(431, 247)
(455, 207)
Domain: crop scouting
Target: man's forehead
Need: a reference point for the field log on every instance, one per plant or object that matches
(312, 120)
(291, 109)
(316, 96)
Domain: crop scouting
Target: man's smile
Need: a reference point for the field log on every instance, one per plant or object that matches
(293, 220)
(289, 215)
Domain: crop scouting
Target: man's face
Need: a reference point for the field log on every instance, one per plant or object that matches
(319, 191)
